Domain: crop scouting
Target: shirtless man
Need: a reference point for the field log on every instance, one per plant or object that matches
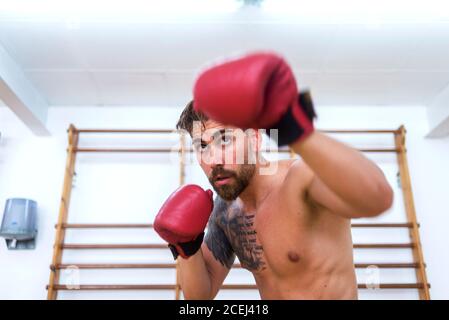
(289, 226)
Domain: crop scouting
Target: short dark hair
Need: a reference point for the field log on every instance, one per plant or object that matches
(188, 116)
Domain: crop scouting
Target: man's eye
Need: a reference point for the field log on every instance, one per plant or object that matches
(226, 139)
(200, 146)
(203, 146)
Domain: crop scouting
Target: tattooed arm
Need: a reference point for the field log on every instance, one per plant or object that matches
(217, 250)
(203, 273)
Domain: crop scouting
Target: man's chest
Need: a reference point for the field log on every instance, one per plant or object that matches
(270, 239)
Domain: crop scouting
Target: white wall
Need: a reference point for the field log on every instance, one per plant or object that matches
(130, 188)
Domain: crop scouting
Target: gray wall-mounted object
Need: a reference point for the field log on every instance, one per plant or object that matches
(19, 224)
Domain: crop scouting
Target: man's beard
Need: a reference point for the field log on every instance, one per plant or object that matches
(239, 181)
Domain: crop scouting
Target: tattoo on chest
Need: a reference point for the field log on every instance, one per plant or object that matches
(240, 237)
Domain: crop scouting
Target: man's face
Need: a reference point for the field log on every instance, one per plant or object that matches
(227, 156)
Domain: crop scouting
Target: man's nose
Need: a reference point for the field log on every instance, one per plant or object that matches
(216, 156)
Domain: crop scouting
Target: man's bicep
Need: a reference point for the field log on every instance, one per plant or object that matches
(218, 245)
(304, 182)
(320, 194)
(216, 271)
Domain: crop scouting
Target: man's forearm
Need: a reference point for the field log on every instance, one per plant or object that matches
(344, 170)
(194, 277)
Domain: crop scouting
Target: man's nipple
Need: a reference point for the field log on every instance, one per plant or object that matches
(293, 256)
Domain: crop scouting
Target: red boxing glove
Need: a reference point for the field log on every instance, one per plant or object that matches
(182, 219)
(256, 91)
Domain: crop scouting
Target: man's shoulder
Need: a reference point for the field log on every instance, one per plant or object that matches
(297, 180)
(292, 166)
(297, 171)
(220, 205)
(224, 211)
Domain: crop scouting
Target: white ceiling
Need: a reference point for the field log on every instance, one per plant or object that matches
(155, 62)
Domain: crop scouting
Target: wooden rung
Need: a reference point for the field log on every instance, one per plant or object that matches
(382, 225)
(170, 131)
(173, 265)
(395, 286)
(238, 286)
(114, 246)
(383, 245)
(374, 150)
(225, 286)
(105, 225)
(116, 287)
(388, 265)
(125, 131)
(359, 286)
(150, 225)
(168, 150)
(383, 265)
(115, 266)
(123, 150)
(369, 150)
(164, 246)
(360, 131)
